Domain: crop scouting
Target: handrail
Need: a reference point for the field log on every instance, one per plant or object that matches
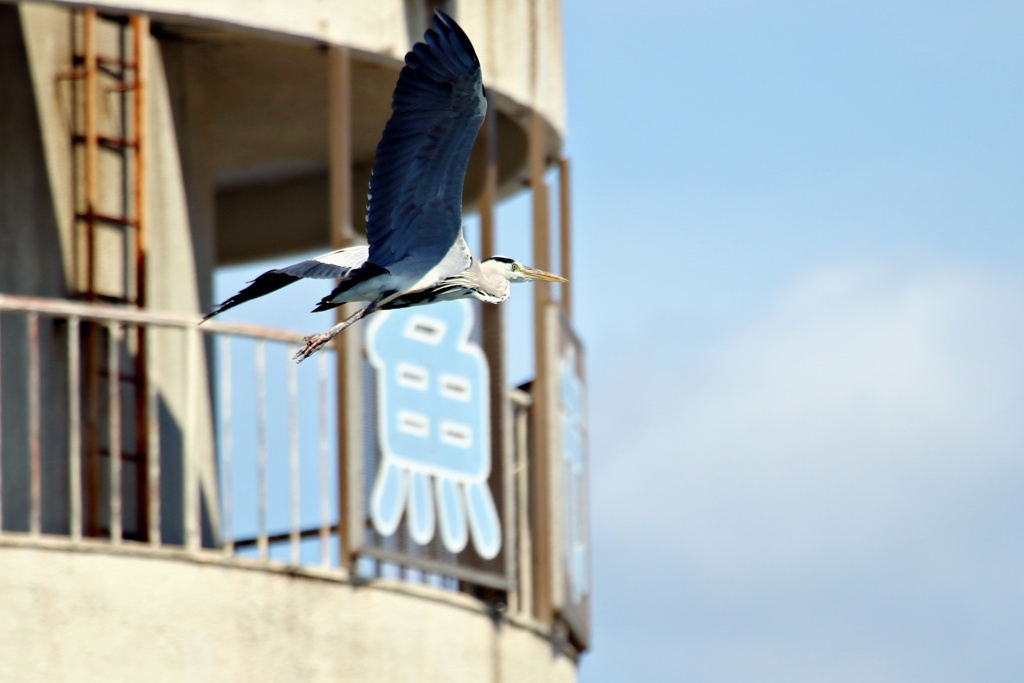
(103, 312)
(253, 473)
(103, 425)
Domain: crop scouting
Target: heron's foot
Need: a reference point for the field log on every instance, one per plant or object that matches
(313, 344)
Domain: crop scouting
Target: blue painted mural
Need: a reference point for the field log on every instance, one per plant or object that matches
(433, 428)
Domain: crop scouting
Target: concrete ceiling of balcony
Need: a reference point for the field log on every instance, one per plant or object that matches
(253, 117)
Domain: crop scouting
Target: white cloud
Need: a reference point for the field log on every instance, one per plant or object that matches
(833, 494)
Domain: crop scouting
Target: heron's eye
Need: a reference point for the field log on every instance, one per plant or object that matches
(515, 267)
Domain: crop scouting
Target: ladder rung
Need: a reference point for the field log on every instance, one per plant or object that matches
(110, 142)
(117, 143)
(121, 87)
(115, 61)
(103, 60)
(71, 74)
(122, 377)
(126, 457)
(107, 218)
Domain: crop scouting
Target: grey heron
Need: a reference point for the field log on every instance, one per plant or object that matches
(416, 253)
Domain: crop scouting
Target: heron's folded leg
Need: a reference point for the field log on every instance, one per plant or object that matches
(315, 342)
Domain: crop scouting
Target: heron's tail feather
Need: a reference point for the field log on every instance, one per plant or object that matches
(324, 305)
(270, 281)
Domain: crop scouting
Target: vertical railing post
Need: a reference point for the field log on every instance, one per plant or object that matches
(493, 320)
(293, 457)
(191, 486)
(540, 468)
(261, 449)
(565, 234)
(114, 332)
(226, 445)
(74, 428)
(348, 346)
(325, 507)
(1, 428)
(35, 466)
(153, 510)
(524, 537)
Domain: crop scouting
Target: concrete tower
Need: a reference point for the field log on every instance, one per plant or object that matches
(180, 502)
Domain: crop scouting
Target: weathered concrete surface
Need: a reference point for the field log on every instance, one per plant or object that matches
(519, 43)
(73, 615)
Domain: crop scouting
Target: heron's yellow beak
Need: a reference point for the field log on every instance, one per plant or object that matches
(534, 274)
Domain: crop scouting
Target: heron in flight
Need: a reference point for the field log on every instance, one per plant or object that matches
(415, 253)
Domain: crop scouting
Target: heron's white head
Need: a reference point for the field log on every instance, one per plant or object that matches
(513, 271)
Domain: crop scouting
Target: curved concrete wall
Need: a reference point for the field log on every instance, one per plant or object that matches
(247, 84)
(76, 614)
(520, 43)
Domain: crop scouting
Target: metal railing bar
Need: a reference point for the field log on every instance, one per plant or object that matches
(226, 444)
(103, 313)
(249, 541)
(478, 577)
(293, 456)
(261, 447)
(325, 508)
(114, 332)
(35, 466)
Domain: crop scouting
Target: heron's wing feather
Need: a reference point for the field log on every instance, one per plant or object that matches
(336, 264)
(415, 203)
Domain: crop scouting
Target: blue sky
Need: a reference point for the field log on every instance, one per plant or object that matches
(799, 259)
(799, 275)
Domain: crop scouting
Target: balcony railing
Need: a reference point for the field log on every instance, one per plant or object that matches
(120, 426)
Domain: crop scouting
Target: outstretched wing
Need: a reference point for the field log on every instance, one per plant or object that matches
(336, 264)
(415, 203)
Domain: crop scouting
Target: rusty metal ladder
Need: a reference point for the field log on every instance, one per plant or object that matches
(109, 170)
